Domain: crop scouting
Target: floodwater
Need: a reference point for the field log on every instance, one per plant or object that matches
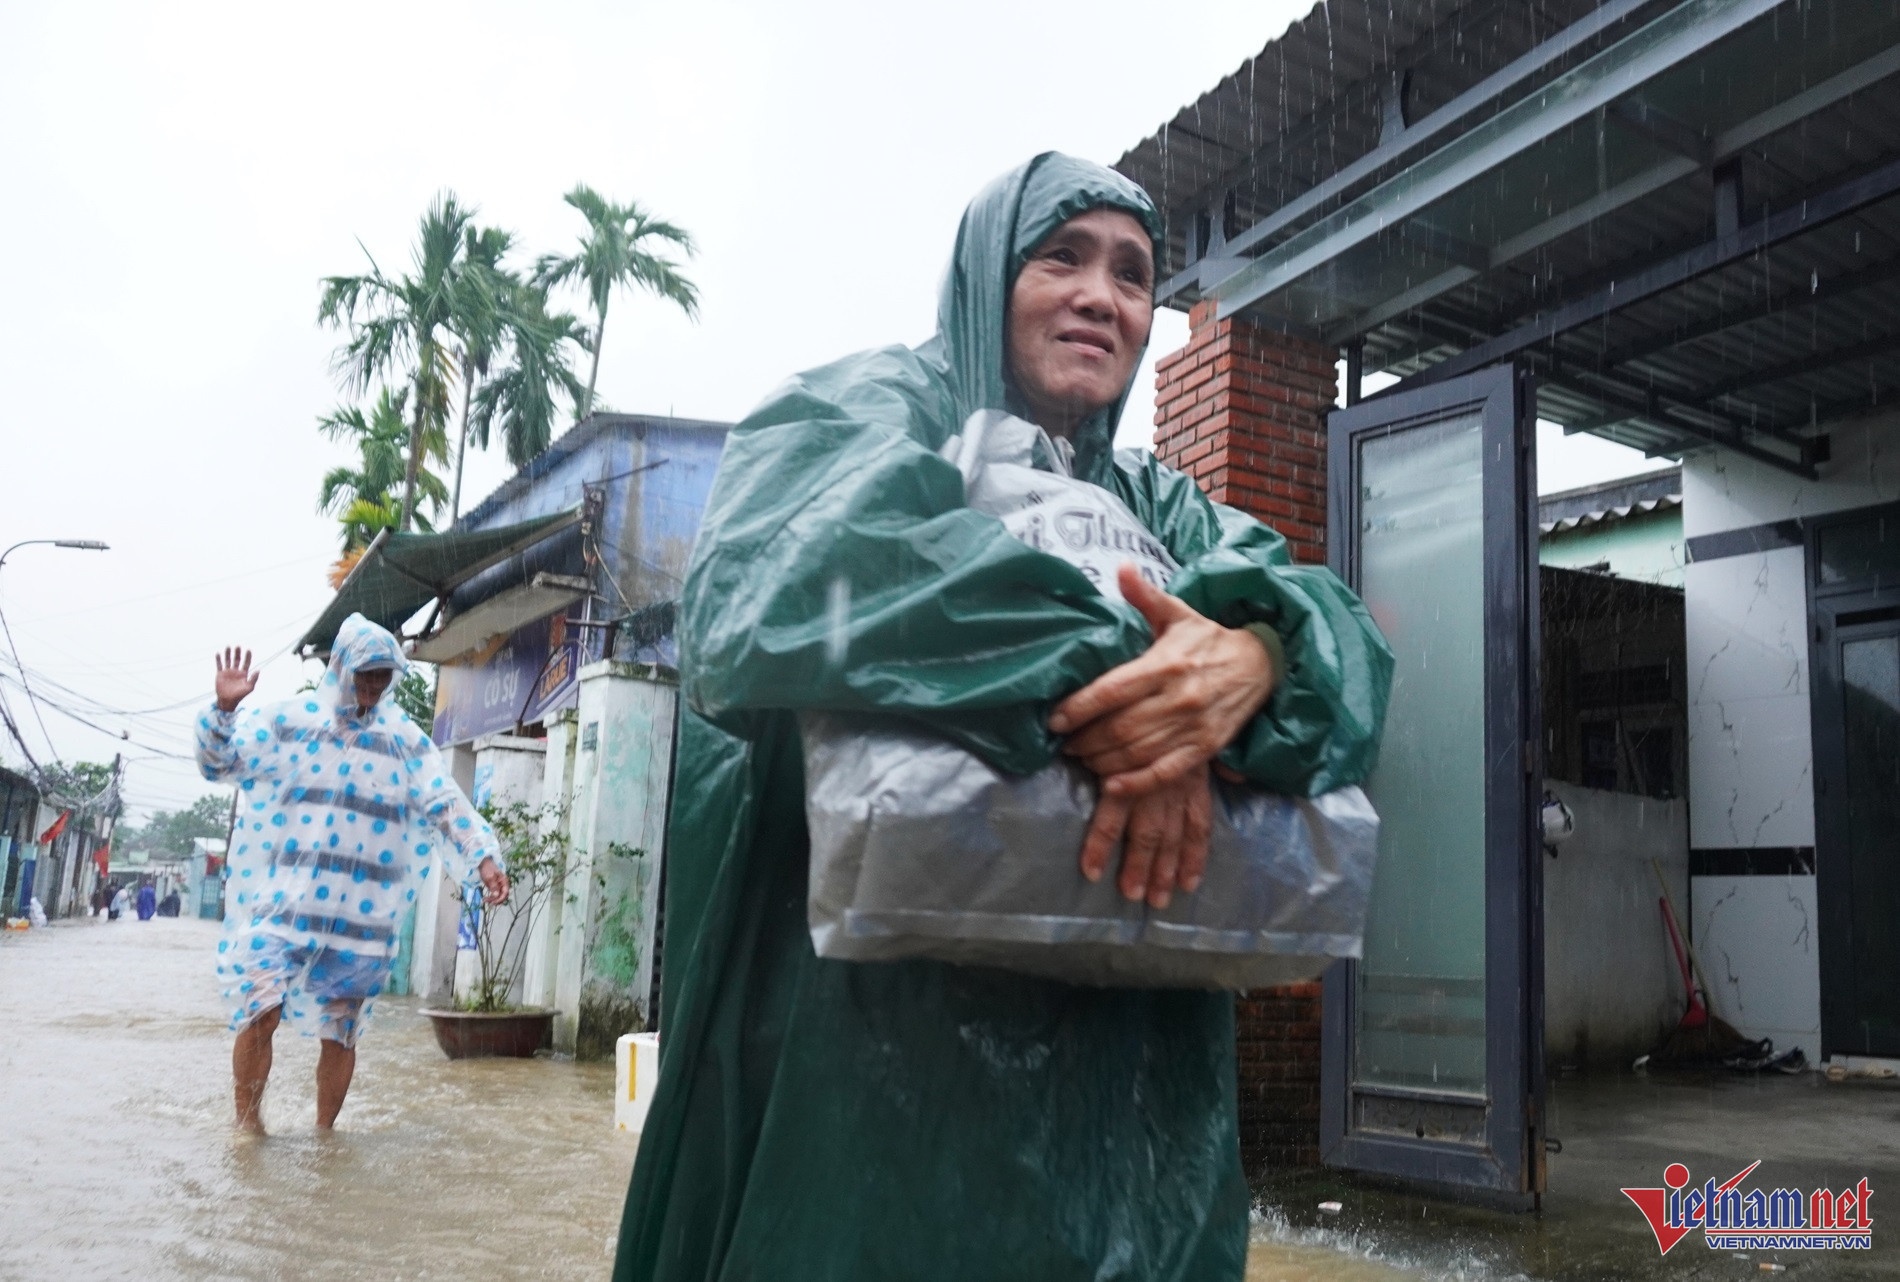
(118, 1160)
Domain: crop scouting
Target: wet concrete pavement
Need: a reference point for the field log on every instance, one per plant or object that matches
(117, 1157)
(1623, 1131)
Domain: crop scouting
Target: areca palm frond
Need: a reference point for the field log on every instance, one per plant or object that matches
(356, 494)
(400, 328)
(522, 399)
(363, 519)
(615, 252)
(479, 320)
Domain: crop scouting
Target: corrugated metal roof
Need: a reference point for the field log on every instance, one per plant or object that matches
(571, 442)
(1608, 515)
(1772, 346)
(1645, 492)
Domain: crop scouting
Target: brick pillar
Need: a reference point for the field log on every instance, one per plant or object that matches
(1276, 1035)
(1242, 410)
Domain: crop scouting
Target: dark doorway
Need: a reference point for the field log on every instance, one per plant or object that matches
(1854, 579)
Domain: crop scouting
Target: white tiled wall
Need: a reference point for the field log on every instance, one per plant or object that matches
(1723, 491)
(1750, 756)
(1751, 780)
(1755, 937)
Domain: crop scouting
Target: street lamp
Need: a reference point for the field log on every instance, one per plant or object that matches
(84, 545)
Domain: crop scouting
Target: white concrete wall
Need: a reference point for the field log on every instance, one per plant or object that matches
(1611, 987)
(1751, 782)
(496, 767)
(557, 790)
(507, 770)
(622, 767)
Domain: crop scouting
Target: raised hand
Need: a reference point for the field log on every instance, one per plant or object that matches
(1160, 718)
(235, 678)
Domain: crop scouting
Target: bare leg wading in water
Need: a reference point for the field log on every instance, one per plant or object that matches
(250, 1070)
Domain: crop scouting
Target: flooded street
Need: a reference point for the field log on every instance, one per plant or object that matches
(120, 1160)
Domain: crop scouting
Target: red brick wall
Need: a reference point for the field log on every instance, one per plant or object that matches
(1276, 1034)
(1242, 410)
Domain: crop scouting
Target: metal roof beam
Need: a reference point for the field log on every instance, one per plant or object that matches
(1823, 413)
(1805, 294)
(1416, 135)
(1726, 145)
(1658, 403)
(1645, 402)
(1802, 217)
(1676, 36)
(1624, 193)
(1664, 130)
(1637, 408)
(1877, 346)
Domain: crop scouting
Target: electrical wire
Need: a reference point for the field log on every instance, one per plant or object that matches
(31, 702)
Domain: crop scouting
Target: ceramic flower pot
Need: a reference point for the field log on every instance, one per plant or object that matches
(464, 1034)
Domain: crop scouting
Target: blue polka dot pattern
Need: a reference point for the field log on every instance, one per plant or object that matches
(307, 947)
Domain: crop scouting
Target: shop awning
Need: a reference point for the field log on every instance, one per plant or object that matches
(403, 572)
(501, 614)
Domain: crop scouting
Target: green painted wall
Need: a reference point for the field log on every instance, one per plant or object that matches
(1646, 547)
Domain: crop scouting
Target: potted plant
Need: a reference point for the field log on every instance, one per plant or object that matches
(484, 1020)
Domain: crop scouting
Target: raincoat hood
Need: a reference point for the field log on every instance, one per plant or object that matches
(1000, 228)
(359, 644)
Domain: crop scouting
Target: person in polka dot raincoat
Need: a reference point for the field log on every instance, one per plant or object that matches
(345, 809)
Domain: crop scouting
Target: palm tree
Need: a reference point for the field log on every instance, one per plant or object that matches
(484, 307)
(406, 325)
(614, 253)
(522, 398)
(360, 496)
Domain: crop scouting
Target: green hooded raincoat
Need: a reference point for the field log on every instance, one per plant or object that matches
(835, 1120)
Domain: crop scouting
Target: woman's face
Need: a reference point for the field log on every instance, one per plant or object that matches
(1079, 315)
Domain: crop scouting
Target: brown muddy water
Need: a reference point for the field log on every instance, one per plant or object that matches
(117, 1158)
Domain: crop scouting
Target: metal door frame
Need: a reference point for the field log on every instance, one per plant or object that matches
(1510, 1161)
(1833, 881)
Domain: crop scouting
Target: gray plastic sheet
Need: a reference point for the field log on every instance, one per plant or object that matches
(922, 850)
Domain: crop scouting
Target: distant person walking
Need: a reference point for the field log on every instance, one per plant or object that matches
(344, 809)
(120, 902)
(148, 901)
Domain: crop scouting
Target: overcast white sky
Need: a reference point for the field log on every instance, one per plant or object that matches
(179, 176)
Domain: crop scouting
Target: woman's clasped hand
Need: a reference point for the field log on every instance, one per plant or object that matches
(1150, 729)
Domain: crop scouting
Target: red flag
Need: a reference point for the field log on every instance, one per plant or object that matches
(59, 826)
(103, 858)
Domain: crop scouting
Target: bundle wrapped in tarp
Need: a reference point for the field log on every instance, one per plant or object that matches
(921, 849)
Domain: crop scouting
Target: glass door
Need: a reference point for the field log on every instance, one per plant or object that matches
(1432, 1063)
(1854, 602)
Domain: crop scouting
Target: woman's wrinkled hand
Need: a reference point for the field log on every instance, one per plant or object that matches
(1159, 719)
(1166, 839)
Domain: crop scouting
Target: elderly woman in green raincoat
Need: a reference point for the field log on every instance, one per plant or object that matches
(822, 1119)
